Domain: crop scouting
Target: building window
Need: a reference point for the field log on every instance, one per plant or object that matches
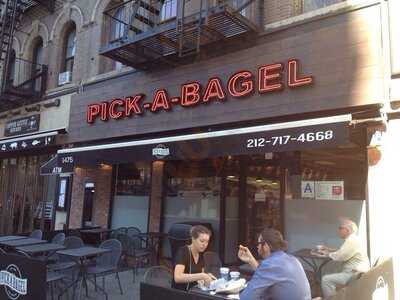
(11, 69)
(37, 64)
(309, 5)
(168, 10)
(70, 48)
(118, 29)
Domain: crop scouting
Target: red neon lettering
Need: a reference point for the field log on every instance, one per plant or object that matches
(190, 94)
(131, 105)
(113, 112)
(294, 79)
(238, 87)
(92, 111)
(269, 78)
(103, 112)
(160, 101)
(214, 90)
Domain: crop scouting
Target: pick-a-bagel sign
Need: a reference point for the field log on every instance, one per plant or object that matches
(268, 79)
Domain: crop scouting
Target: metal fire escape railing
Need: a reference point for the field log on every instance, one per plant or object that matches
(19, 78)
(145, 32)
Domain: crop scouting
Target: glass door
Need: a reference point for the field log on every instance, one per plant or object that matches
(263, 190)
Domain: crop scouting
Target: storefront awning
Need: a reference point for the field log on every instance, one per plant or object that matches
(305, 134)
(28, 142)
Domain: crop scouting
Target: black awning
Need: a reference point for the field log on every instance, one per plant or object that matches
(28, 142)
(51, 167)
(307, 134)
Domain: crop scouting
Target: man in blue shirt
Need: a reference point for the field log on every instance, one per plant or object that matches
(279, 276)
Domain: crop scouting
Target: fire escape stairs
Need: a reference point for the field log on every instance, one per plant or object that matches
(11, 11)
(150, 42)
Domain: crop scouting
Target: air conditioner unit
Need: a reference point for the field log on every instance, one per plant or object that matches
(64, 78)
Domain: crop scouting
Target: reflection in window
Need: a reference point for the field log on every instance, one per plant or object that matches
(168, 10)
(70, 49)
(37, 63)
(118, 28)
(309, 5)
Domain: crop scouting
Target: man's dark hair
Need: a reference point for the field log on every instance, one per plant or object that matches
(274, 239)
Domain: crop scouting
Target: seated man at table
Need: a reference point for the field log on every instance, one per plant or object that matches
(279, 276)
(351, 254)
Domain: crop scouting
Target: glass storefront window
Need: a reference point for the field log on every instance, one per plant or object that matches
(131, 200)
(192, 195)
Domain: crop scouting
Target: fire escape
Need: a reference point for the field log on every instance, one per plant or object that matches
(22, 81)
(147, 34)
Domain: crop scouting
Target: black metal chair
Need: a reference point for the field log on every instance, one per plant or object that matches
(107, 263)
(133, 248)
(52, 277)
(59, 238)
(36, 234)
(133, 231)
(158, 275)
(62, 262)
(212, 263)
(114, 234)
(178, 236)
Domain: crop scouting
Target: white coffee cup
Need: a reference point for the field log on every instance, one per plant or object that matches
(234, 275)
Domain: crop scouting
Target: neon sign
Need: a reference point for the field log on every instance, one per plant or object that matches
(269, 79)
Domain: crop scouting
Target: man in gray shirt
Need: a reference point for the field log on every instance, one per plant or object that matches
(352, 254)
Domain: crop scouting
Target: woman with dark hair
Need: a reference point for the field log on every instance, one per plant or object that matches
(189, 261)
(279, 276)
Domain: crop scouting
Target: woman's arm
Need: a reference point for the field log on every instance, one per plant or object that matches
(181, 277)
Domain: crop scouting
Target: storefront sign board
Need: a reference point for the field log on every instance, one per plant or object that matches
(22, 125)
(329, 190)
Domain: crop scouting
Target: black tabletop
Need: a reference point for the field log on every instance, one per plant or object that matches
(196, 290)
(39, 248)
(83, 252)
(95, 230)
(309, 253)
(11, 237)
(22, 242)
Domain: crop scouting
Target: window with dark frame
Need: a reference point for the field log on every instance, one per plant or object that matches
(70, 49)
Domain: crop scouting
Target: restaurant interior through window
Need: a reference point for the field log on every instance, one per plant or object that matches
(301, 193)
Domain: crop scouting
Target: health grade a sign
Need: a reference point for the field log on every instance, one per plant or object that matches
(268, 78)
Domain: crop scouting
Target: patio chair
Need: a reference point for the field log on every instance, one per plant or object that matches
(158, 275)
(212, 263)
(62, 262)
(133, 231)
(52, 277)
(59, 238)
(36, 234)
(114, 234)
(107, 263)
(133, 248)
(178, 236)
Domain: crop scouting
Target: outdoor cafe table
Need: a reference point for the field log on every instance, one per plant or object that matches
(40, 248)
(21, 242)
(97, 233)
(11, 237)
(79, 255)
(315, 261)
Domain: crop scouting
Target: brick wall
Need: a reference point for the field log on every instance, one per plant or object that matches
(102, 178)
